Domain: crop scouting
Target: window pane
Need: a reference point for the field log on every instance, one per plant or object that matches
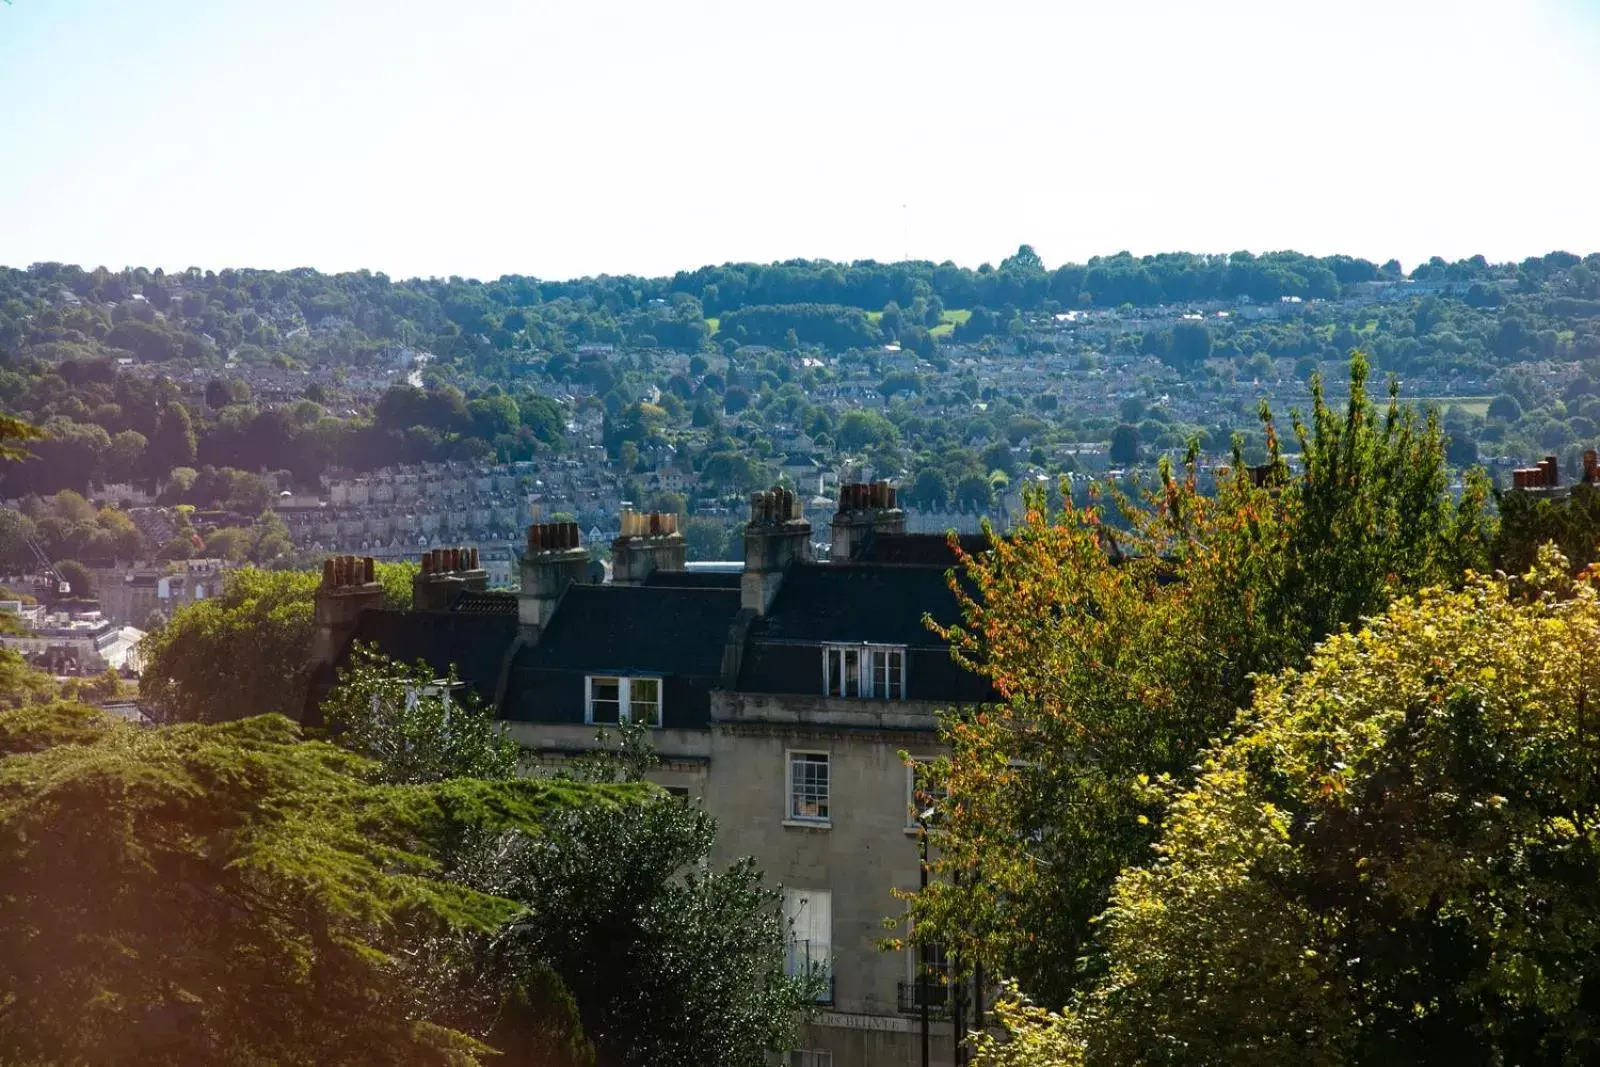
(852, 672)
(833, 667)
(644, 700)
(895, 689)
(605, 699)
(808, 786)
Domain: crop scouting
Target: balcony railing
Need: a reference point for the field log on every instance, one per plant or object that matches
(938, 996)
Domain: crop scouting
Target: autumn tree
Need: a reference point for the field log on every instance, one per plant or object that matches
(1120, 650)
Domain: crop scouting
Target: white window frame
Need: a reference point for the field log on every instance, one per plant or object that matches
(791, 816)
(799, 908)
(862, 683)
(625, 698)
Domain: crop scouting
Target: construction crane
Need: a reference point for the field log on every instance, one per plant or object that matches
(63, 587)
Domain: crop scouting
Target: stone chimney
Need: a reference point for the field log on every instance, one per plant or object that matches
(349, 587)
(776, 536)
(555, 558)
(446, 573)
(648, 542)
(865, 508)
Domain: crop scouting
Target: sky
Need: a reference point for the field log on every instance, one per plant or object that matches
(558, 139)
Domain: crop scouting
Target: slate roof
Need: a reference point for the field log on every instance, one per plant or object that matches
(693, 579)
(852, 602)
(919, 549)
(488, 603)
(656, 629)
(476, 644)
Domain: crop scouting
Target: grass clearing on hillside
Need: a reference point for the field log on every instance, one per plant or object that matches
(1472, 405)
(949, 321)
(713, 324)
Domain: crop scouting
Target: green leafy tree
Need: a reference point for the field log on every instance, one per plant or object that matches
(417, 726)
(1121, 650)
(1191, 344)
(1505, 407)
(246, 652)
(1528, 522)
(622, 910)
(257, 890)
(706, 538)
(974, 491)
(671, 963)
(930, 489)
(15, 530)
(77, 576)
(1125, 444)
(174, 442)
(20, 683)
(1394, 861)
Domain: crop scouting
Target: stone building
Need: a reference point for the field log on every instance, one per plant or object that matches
(782, 695)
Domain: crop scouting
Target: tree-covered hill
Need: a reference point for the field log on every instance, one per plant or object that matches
(137, 373)
(304, 317)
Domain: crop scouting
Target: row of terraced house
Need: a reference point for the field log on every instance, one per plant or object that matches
(781, 692)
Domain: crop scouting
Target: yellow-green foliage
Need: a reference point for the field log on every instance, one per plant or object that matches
(1123, 649)
(230, 894)
(246, 652)
(1396, 861)
(22, 684)
(1030, 1037)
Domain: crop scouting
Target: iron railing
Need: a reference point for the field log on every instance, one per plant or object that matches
(938, 996)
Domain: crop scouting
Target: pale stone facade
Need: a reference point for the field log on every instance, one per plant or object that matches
(867, 849)
(786, 697)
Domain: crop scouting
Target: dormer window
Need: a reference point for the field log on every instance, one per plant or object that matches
(871, 672)
(610, 700)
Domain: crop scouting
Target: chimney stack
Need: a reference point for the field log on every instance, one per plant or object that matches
(776, 536)
(1546, 475)
(445, 574)
(555, 558)
(647, 543)
(349, 587)
(865, 508)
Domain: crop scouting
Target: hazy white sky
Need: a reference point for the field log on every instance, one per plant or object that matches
(481, 137)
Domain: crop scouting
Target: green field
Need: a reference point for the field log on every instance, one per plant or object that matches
(950, 320)
(713, 324)
(1472, 405)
